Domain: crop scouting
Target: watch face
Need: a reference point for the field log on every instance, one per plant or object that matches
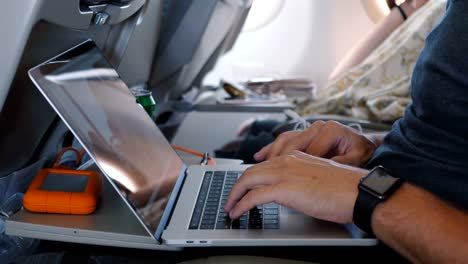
(379, 181)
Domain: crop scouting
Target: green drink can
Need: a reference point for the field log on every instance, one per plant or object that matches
(146, 100)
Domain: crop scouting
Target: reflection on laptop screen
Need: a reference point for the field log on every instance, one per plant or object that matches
(123, 140)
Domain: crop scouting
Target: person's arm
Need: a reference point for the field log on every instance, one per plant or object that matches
(383, 29)
(412, 221)
(421, 227)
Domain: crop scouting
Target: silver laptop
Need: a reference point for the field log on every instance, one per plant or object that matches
(177, 205)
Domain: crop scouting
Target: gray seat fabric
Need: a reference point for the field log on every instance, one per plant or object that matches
(26, 119)
(186, 51)
(26, 116)
(194, 34)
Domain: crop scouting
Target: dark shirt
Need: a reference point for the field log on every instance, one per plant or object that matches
(429, 145)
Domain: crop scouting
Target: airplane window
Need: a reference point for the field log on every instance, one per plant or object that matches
(262, 13)
(286, 39)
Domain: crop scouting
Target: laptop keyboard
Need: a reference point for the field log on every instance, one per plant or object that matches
(209, 211)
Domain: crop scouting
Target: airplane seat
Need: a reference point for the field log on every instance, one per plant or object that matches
(169, 59)
(193, 36)
(28, 124)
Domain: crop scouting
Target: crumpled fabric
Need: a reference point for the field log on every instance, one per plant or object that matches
(12, 188)
(378, 89)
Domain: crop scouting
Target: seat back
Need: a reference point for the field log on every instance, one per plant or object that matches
(49, 27)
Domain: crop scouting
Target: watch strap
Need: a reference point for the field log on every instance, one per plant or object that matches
(402, 12)
(363, 209)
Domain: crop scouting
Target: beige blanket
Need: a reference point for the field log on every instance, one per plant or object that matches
(378, 89)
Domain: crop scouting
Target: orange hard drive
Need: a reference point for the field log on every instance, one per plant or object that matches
(62, 202)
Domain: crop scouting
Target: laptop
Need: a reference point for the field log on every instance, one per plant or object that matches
(177, 205)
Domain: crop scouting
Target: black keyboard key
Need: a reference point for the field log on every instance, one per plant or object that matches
(195, 221)
(213, 196)
(270, 221)
(224, 222)
(255, 212)
(223, 225)
(271, 226)
(208, 223)
(255, 217)
(219, 175)
(211, 212)
(197, 214)
(270, 211)
(211, 205)
(270, 217)
(236, 224)
(255, 226)
(194, 224)
(255, 222)
(223, 215)
(208, 218)
(260, 217)
(211, 209)
(207, 226)
(271, 206)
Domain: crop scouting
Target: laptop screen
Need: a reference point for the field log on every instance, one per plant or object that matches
(123, 140)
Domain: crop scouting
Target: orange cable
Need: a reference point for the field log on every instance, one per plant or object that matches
(189, 151)
(211, 161)
(59, 156)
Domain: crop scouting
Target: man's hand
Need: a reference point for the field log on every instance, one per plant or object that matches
(330, 140)
(317, 187)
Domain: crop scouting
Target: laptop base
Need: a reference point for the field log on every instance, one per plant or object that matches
(294, 229)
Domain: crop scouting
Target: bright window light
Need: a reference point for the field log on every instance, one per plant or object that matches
(383, 7)
(378, 9)
(262, 13)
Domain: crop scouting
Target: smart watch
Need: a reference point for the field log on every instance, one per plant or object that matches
(374, 188)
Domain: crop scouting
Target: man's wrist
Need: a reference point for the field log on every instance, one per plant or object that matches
(355, 178)
(375, 188)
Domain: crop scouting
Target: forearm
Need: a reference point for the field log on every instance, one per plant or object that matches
(421, 227)
(369, 43)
